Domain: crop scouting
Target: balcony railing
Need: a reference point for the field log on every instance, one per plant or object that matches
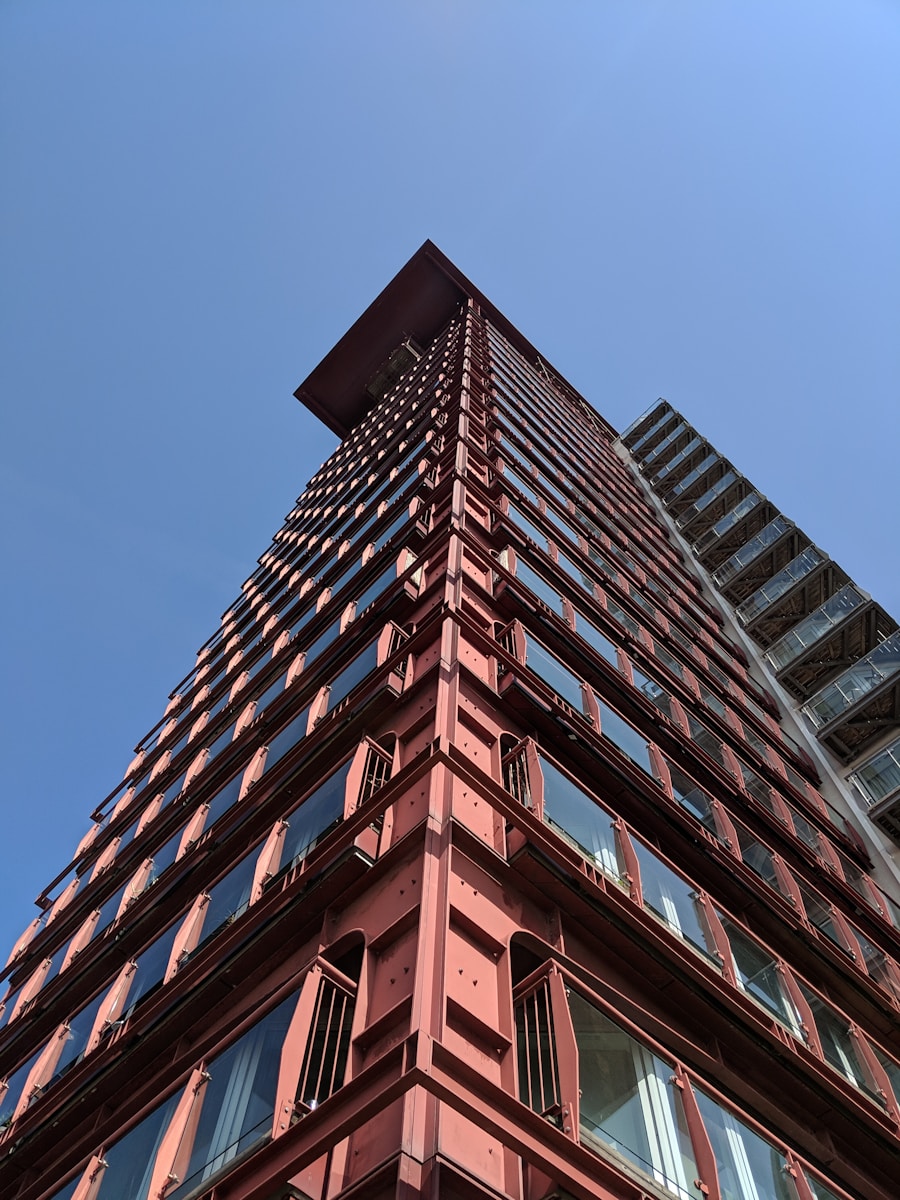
(857, 682)
(713, 493)
(679, 458)
(780, 584)
(752, 550)
(692, 476)
(654, 429)
(814, 627)
(742, 509)
(880, 776)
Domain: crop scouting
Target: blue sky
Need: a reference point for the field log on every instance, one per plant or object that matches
(694, 200)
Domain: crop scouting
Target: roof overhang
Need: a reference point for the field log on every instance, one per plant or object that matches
(417, 303)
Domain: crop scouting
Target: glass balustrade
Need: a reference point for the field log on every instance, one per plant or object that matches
(880, 776)
(677, 460)
(742, 509)
(713, 493)
(654, 429)
(663, 445)
(780, 584)
(751, 550)
(880, 665)
(814, 627)
(692, 476)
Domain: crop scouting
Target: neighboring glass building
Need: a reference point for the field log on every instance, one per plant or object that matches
(509, 838)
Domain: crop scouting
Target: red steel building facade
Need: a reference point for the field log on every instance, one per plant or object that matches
(475, 857)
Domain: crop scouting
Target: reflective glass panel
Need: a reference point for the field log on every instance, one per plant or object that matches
(364, 663)
(629, 1103)
(15, 1085)
(538, 586)
(596, 640)
(818, 1188)
(150, 968)
(77, 1036)
(531, 531)
(749, 1168)
(757, 974)
(621, 734)
(284, 741)
(129, 1162)
(315, 817)
(223, 800)
(838, 1046)
(580, 820)
(274, 690)
(238, 1101)
(229, 898)
(692, 798)
(379, 584)
(554, 674)
(671, 898)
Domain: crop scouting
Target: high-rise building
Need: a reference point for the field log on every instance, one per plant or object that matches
(509, 838)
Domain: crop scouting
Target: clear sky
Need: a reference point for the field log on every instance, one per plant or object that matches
(697, 200)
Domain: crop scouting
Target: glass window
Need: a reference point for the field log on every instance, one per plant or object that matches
(806, 831)
(838, 1048)
(398, 522)
(55, 964)
(598, 560)
(272, 691)
(77, 1035)
(572, 569)
(818, 913)
(668, 660)
(818, 1188)
(224, 799)
(654, 693)
(619, 614)
(108, 910)
(284, 741)
(15, 1085)
(621, 734)
(706, 740)
(129, 1162)
(150, 969)
(580, 820)
(597, 640)
(749, 1168)
(324, 640)
(164, 857)
(228, 899)
(221, 742)
(559, 678)
(378, 585)
(692, 798)
(520, 520)
(174, 789)
(757, 856)
(628, 1101)
(891, 1069)
(672, 899)
(238, 1101)
(68, 1191)
(312, 820)
(757, 973)
(538, 586)
(364, 663)
(525, 488)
